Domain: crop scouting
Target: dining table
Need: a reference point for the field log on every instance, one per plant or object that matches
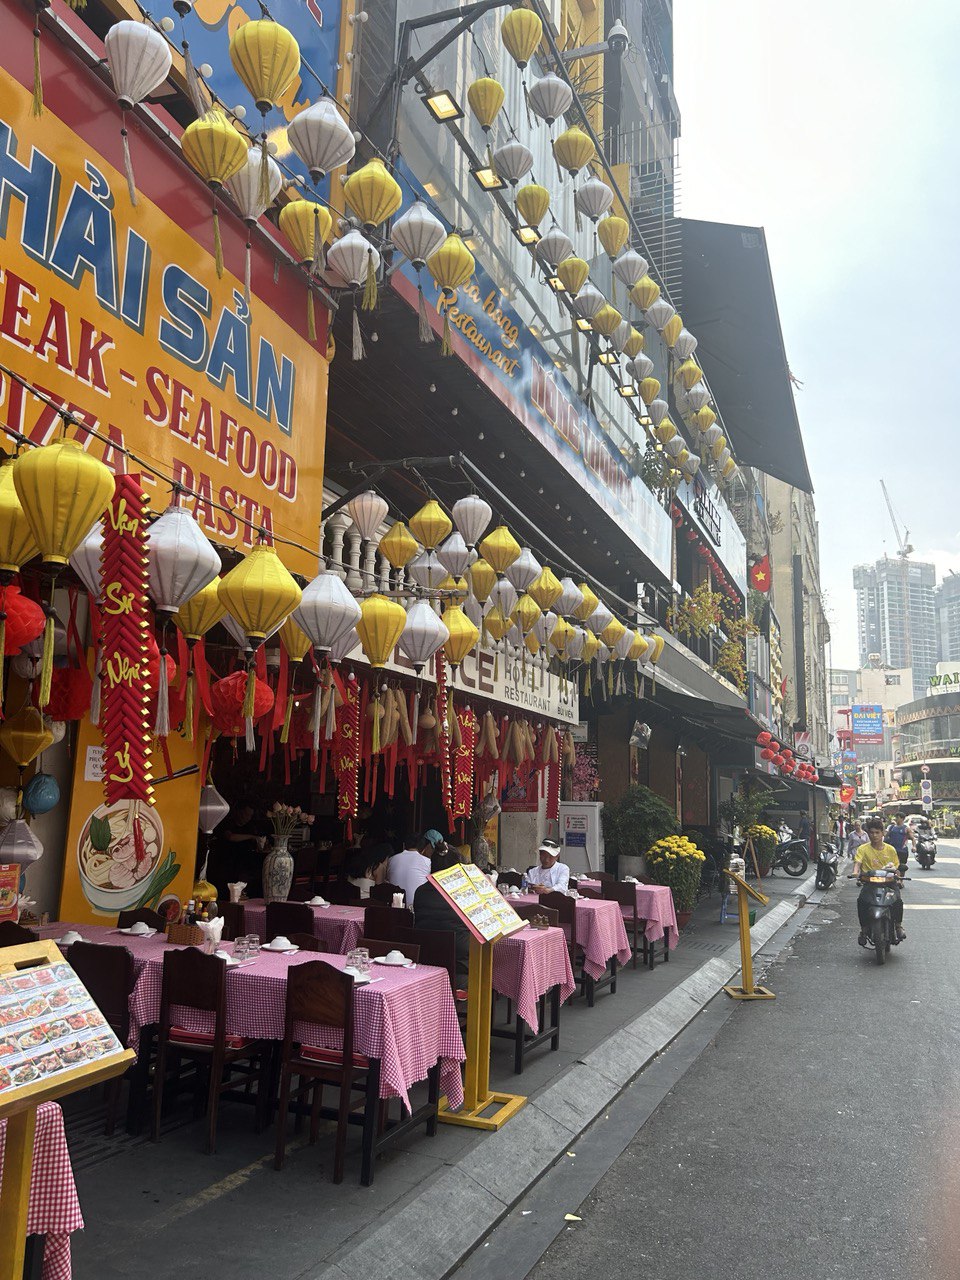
(404, 1017)
(601, 935)
(339, 928)
(655, 906)
(529, 965)
(53, 1210)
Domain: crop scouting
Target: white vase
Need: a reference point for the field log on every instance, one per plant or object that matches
(278, 872)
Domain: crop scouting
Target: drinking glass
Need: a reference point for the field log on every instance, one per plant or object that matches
(253, 945)
(353, 959)
(363, 960)
(241, 948)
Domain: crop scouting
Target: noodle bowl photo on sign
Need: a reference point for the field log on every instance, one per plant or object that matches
(119, 863)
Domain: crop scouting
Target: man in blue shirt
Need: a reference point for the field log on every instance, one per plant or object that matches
(897, 837)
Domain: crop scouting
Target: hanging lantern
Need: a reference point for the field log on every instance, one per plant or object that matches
(454, 555)
(463, 635)
(512, 161)
(560, 637)
(504, 595)
(422, 635)
(253, 195)
(728, 469)
(640, 367)
(17, 543)
(684, 345)
(526, 613)
(352, 259)
(426, 570)
(327, 612)
(591, 647)
(471, 515)
(657, 642)
(704, 418)
(698, 396)
(228, 698)
(672, 330)
(675, 446)
(657, 410)
(23, 736)
(614, 233)
(213, 809)
(451, 266)
(398, 545)
(321, 138)
(372, 193)
(659, 312)
(546, 589)
(496, 623)
(521, 31)
(216, 150)
(367, 511)
(573, 273)
(380, 626)
(201, 612)
(306, 224)
(621, 335)
(266, 57)
(182, 561)
(532, 203)
(637, 651)
(524, 570)
(499, 548)
(18, 844)
(294, 640)
(691, 466)
(688, 374)
(576, 639)
(482, 580)
(431, 524)
(418, 234)
(649, 389)
(587, 604)
(139, 59)
(570, 598)
(593, 198)
(555, 246)
(485, 97)
(612, 632)
(634, 343)
(21, 622)
(664, 430)
(588, 302)
(644, 293)
(630, 268)
(713, 440)
(550, 97)
(573, 150)
(606, 320)
(600, 619)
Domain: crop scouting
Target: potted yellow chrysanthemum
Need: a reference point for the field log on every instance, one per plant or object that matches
(677, 862)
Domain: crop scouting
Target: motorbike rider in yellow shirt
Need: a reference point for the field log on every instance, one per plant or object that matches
(874, 856)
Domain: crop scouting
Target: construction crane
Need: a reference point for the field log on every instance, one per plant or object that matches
(904, 549)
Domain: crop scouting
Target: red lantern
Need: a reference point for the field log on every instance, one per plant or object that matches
(763, 737)
(70, 690)
(766, 754)
(778, 760)
(815, 779)
(25, 620)
(227, 697)
(691, 535)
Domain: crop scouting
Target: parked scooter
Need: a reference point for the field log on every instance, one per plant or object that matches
(791, 854)
(828, 861)
(926, 848)
(880, 892)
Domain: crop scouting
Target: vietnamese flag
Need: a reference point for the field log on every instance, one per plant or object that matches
(760, 574)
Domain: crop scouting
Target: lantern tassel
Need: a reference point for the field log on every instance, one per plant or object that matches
(358, 349)
(95, 691)
(375, 739)
(217, 242)
(161, 725)
(445, 348)
(287, 716)
(311, 316)
(249, 693)
(46, 665)
(331, 725)
(3, 645)
(190, 705)
(496, 664)
(415, 724)
(127, 162)
(370, 285)
(426, 333)
(37, 81)
(246, 273)
(194, 92)
(317, 262)
(263, 185)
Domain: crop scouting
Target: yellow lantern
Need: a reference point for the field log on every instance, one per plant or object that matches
(482, 579)
(728, 468)
(451, 266)
(24, 735)
(612, 632)
(657, 643)
(546, 588)
(485, 97)
(532, 203)
(431, 524)
(718, 447)
(201, 612)
(573, 273)
(380, 627)
(398, 545)
(259, 593)
(532, 644)
(296, 641)
(500, 548)
(607, 320)
(526, 613)
(573, 149)
(62, 491)
(649, 389)
(664, 430)
(306, 225)
(590, 646)
(638, 650)
(452, 584)
(645, 293)
(634, 344)
(266, 57)
(497, 624)
(689, 373)
(463, 634)
(704, 418)
(17, 543)
(217, 151)
(521, 31)
(587, 605)
(560, 634)
(372, 193)
(671, 330)
(613, 233)
(682, 457)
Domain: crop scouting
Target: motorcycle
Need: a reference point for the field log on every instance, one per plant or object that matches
(828, 860)
(880, 893)
(926, 849)
(791, 854)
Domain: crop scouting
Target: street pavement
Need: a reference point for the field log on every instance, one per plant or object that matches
(817, 1135)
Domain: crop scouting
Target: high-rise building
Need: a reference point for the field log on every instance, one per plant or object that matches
(897, 617)
(947, 602)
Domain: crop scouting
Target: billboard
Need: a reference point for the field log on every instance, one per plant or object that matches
(866, 722)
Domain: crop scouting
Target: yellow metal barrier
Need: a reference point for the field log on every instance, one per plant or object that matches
(748, 991)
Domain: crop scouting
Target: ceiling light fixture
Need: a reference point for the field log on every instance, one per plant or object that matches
(443, 106)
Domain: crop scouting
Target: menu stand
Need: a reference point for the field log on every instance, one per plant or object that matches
(18, 1105)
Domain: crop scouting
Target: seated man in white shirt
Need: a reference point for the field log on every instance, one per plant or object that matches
(550, 876)
(409, 869)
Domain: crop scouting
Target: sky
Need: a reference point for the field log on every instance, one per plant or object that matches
(833, 125)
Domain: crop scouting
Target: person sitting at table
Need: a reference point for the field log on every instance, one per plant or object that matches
(431, 910)
(409, 869)
(551, 875)
(368, 866)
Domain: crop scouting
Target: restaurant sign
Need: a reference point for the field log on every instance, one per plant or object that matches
(866, 721)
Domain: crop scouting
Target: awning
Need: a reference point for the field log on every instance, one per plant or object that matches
(717, 713)
(730, 304)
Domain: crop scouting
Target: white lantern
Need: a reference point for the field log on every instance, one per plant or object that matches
(657, 410)
(237, 633)
(423, 634)
(640, 367)
(690, 466)
(682, 399)
(472, 607)
(139, 59)
(512, 161)
(367, 510)
(417, 233)
(350, 257)
(554, 246)
(570, 600)
(624, 645)
(710, 437)
(659, 312)
(8, 804)
(600, 619)
(503, 595)
(326, 612)
(321, 138)
(576, 639)
(593, 198)
(426, 570)
(85, 561)
(19, 844)
(621, 335)
(524, 570)
(589, 301)
(675, 446)
(724, 458)
(550, 97)
(347, 643)
(181, 560)
(472, 515)
(56, 728)
(213, 808)
(630, 267)
(454, 555)
(698, 396)
(685, 345)
(544, 626)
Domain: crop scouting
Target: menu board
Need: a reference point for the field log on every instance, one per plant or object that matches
(49, 1025)
(486, 913)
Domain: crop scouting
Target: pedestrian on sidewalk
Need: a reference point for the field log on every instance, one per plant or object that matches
(855, 839)
(897, 837)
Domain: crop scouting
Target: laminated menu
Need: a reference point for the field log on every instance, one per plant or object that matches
(485, 912)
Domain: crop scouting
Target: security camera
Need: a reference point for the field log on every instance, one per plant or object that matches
(618, 38)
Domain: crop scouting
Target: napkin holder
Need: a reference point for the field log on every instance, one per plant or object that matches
(184, 935)
(211, 931)
(539, 922)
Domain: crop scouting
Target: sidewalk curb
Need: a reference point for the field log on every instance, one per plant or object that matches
(467, 1199)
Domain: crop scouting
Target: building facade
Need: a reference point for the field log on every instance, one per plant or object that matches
(947, 605)
(897, 616)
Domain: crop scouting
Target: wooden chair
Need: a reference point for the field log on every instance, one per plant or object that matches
(589, 890)
(342, 894)
(108, 974)
(603, 876)
(635, 924)
(284, 918)
(381, 946)
(512, 879)
(14, 935)
(234, 920)
(384, 892)
(566, 909)
(383, 922)
(307, 942)
(527, 910)
(438, 947)
(143, 914)
(197, 981)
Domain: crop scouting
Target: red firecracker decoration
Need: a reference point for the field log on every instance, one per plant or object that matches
(443, 733)
(346, 750)
(463, 763)
(126, 727)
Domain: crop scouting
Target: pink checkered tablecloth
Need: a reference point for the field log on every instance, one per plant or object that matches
(527, 964)
(339, 928)
(655, 905)
(54, 1210)
(600, 933)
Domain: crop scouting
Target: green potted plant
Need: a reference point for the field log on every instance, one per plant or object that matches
(632, 824)
(764, 845)
(677, 862)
